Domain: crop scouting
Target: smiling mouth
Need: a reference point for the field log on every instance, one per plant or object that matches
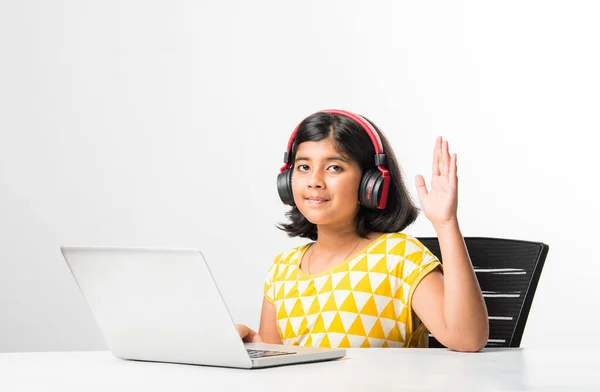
(316, 200)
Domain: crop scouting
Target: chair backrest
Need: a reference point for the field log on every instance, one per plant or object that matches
(508, 272)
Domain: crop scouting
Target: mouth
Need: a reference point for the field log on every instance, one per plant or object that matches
(316, 200)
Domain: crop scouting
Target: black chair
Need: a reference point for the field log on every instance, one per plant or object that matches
(508, 272)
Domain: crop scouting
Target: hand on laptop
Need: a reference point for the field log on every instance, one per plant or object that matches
(248, 335)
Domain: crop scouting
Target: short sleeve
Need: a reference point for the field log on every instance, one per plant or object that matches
(417, 265)
(420, 264)
(269, 288)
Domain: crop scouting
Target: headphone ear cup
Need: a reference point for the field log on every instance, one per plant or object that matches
(369, 192)
(284, 187)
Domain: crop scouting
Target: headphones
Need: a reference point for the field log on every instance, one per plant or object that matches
(374, 184)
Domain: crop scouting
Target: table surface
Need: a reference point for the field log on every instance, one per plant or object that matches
(385, 369)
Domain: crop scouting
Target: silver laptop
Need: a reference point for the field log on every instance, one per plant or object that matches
(163, 305)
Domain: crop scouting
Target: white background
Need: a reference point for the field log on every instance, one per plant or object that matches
(163, 123)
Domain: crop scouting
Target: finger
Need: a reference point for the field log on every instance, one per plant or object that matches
(243, 331)
(437, 149)
(421, 187)
(445, 159)
(256, 338)
(453, 170)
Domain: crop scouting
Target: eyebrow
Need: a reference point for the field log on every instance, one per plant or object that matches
(332, 158)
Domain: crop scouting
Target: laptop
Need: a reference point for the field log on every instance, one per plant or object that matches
(163, 305)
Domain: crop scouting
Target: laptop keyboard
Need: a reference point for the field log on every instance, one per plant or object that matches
(265, 353)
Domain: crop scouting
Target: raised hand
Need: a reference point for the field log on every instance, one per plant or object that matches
(440, 203)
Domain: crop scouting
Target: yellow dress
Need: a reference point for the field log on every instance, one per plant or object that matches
(364, 301)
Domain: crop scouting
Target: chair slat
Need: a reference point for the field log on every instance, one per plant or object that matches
(503, 282)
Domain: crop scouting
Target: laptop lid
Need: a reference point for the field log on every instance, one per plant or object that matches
(157, 305)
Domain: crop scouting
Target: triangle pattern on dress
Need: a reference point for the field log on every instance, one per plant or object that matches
(359, 303)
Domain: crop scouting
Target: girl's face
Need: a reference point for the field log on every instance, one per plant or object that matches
(325, 184)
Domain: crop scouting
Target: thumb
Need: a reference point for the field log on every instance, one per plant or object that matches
(421, 187)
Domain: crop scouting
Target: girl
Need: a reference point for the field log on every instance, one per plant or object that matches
(361, 282)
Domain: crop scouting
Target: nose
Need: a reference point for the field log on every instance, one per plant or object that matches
(316, 180)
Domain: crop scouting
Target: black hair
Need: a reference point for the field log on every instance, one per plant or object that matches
(351, 139)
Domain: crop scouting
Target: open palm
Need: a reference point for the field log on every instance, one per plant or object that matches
(440, 203)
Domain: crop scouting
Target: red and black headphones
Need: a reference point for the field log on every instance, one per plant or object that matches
(374, 184)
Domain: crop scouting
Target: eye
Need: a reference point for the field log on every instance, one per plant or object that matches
(335, 168)
(302, 168)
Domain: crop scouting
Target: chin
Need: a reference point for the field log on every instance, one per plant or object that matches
(315, 217)
(316, 220)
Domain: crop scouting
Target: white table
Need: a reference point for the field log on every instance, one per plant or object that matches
(362, 370)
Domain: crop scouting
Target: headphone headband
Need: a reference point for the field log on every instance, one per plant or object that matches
(357, 118)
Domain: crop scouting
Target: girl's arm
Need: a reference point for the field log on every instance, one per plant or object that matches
(451, 305)
(267, 332)
(268, 324)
